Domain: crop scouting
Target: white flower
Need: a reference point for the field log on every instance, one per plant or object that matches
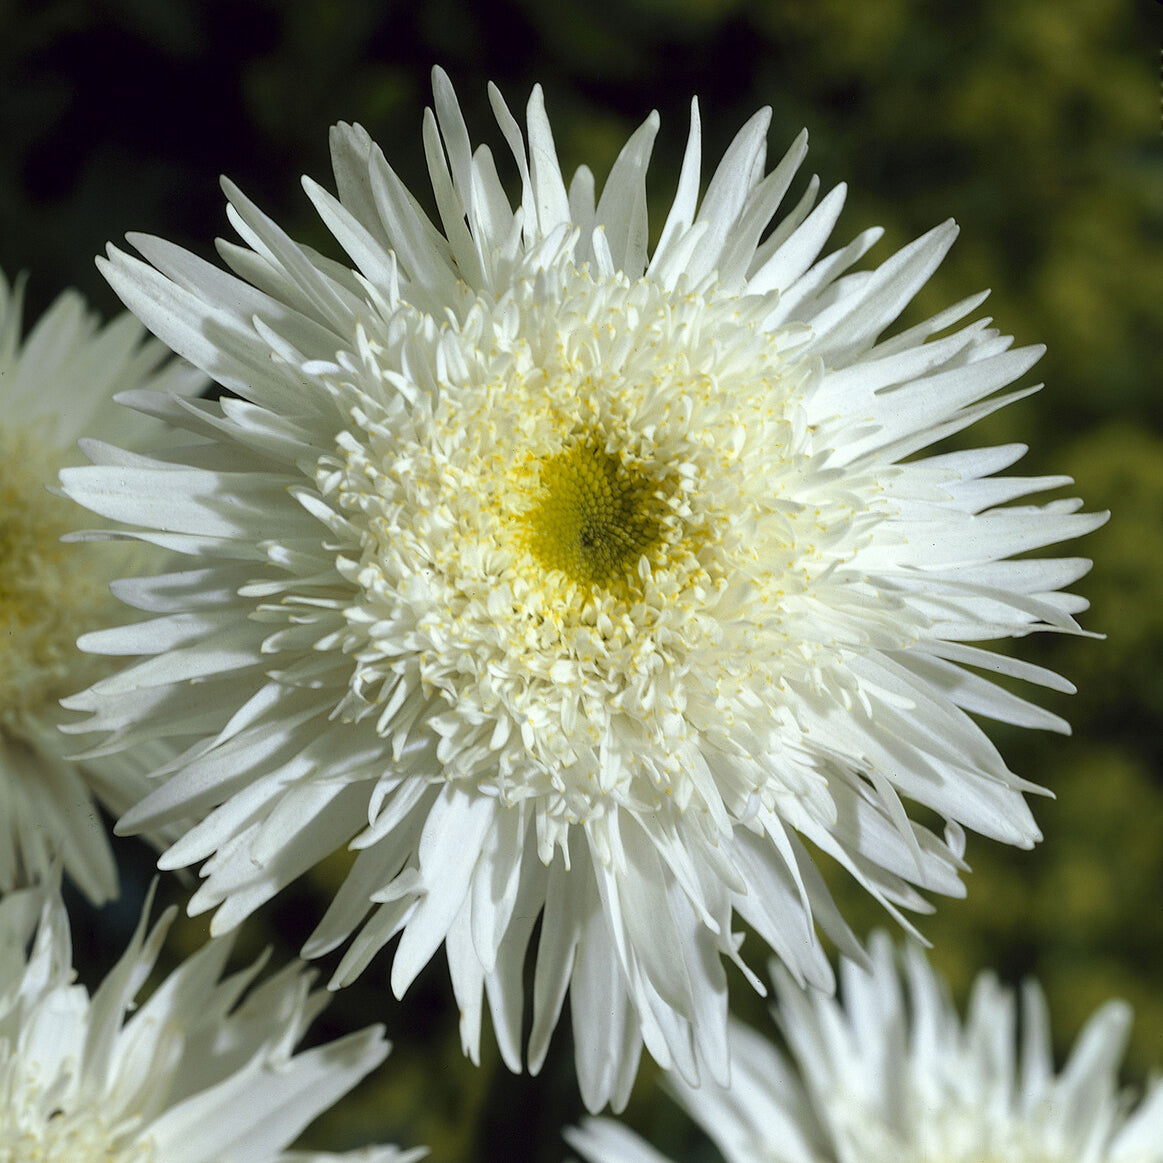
(894, 1076)
(55, 385)
(192, 1075)
(563, 579)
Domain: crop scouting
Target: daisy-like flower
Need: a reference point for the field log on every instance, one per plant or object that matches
(564, 578)
(55, 385)
(192, 1075)
(894, 1076)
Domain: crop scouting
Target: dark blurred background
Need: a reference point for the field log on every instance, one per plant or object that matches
(1035, 123)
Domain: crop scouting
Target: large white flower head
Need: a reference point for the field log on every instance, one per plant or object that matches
(562, 578)
(192, 1075)
(893, 1075)
(55, 385)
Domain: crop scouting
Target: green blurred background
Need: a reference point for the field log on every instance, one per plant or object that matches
(1033, 122)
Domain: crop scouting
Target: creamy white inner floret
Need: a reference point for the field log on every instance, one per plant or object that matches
(599, 534)
(33, 1135)
(50, 592)
(948, 1131)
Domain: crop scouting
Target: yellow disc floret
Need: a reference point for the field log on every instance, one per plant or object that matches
(594, 517)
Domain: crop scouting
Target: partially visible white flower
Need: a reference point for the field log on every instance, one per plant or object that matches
(561, 579)
(892, 1075)
(56, 385)
(192, 1075)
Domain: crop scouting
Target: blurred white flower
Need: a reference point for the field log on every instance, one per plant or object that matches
(54, 386)
(561, 577)
(892, 1075)
(192, 1075)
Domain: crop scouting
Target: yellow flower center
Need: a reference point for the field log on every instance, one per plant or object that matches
(50, 592)
(594, 517)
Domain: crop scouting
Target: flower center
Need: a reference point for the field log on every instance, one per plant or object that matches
(594, 517)
(500, 526)
(964, 1131)
(50, 593)
(74, 1137)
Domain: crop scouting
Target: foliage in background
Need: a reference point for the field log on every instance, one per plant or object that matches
(1032, 122)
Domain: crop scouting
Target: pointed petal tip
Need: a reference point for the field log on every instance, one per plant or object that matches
(760, 119)
(114, 256)
(231, 189)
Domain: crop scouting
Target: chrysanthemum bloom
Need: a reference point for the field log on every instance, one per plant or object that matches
(193, 1075)
(894, 1076)
(55, 386)
(565, 579)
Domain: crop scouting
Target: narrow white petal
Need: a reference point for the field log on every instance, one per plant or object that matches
(622, 206)
(449, 849)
